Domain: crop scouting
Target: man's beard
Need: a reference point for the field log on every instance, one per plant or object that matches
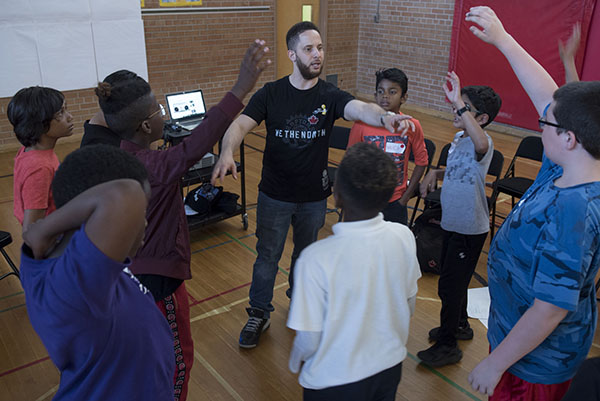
(305, 70)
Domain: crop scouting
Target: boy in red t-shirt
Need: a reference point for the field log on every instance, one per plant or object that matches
(390, 93)
(39, 117)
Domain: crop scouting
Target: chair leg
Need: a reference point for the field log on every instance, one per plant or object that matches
(414, 212)
(14, 271)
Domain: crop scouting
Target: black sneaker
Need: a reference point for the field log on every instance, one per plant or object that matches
(464, 333)
(288, 293)
(440, 355)
(256, 324)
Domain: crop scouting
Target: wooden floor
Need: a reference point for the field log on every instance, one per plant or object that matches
(222, 259)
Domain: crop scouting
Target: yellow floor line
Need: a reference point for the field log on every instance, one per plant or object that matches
(227, 308)
(48, 393)
(217, 376)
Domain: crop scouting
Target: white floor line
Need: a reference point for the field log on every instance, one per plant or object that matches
(217, 376)
(227, 308)
(428, 299)
(48, 393)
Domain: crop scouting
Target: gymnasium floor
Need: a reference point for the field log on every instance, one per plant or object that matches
(222, 259)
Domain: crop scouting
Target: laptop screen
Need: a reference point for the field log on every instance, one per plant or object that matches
(186, 105)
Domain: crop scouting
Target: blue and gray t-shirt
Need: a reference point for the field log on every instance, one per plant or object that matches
(548, 248)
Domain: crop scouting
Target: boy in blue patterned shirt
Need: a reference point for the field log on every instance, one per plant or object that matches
(543, 260)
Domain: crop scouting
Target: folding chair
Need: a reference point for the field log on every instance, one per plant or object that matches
(430, 146)
(5, 240)
(515, 186)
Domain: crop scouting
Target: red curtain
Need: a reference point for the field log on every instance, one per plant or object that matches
(537, 25)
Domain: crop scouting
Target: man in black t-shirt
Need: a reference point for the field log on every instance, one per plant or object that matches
(299, 111)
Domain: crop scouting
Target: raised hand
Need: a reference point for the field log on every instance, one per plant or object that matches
(491, 30)
(253, 64)
(452, 88)
(569, 48)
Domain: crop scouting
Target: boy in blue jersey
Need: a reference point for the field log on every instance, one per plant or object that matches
(98, 323)
(543, 260)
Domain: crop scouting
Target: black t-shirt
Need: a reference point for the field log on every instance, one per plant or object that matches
(97, 134)
(299, 123)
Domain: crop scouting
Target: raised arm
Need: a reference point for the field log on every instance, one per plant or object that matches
(567, 51)
(536, 81)
(372, 114)
(472, 127)
(112, 211)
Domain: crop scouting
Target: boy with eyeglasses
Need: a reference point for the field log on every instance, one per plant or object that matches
(163, 263)
(543, 260)
(465, 213)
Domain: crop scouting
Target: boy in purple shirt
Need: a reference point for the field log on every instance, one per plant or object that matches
(97, 322)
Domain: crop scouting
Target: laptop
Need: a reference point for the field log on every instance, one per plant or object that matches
(187, 109)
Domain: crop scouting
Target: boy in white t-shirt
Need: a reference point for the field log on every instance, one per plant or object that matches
(355, 291)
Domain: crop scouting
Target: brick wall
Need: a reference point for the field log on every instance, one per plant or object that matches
(343, 20)
(411, 35)
(188, 51)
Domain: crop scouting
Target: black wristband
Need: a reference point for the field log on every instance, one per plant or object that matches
(460, 112)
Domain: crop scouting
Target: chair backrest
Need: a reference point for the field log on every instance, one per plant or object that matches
(443, 160)
(496, 164)
(531, 148)
(339, 137)
(495, 169)
(430, 146)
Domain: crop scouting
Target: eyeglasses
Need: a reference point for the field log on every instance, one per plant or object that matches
(160, 110)
(543, 122)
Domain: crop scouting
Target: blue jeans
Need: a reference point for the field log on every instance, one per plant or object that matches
(273, 220)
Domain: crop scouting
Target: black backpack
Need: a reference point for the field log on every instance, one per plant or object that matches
(430, 237)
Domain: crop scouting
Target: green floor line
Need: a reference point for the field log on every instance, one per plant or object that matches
(12, 295)
(11, 308)
(444, 378)
(252, 250)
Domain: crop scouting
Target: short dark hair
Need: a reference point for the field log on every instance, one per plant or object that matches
(392, 74)
(125, 99)
(93, 165)
(577, 109)
(291, 38)
(31, 111)
(485, 100)
(366, 177)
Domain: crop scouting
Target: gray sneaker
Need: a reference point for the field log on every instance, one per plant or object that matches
(256, 324)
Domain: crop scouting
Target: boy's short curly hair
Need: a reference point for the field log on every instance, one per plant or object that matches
(392, 74)
(31, 110)
(485, 100)
(366, 177)
(125, 99)
(93, 165)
